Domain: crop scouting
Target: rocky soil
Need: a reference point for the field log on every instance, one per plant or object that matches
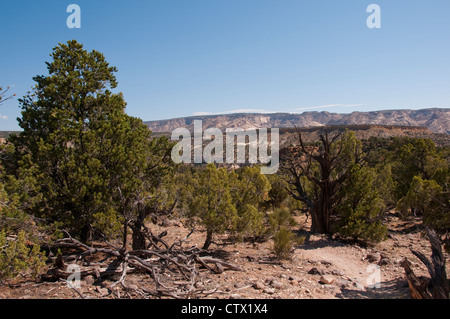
(321, 268)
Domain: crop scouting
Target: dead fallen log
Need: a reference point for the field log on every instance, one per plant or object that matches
(167, 266)
(436, 269)
(218, 263)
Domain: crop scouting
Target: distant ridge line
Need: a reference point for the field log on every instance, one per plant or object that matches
(436, 120)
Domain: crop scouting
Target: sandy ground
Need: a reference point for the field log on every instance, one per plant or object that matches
(321, 268)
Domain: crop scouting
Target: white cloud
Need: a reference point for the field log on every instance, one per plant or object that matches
(3, 117)
(326, 106)
(233, 111)
(294, 110)
(202, 113)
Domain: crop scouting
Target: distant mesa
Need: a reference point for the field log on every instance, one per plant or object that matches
(436, 120)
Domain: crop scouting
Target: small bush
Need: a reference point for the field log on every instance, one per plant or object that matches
(284, 241)
(17, 258)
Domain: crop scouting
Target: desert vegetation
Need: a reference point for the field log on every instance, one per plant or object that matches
(84, 183)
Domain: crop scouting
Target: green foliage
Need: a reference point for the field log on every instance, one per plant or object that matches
(17, 258)
(428, 199)
(96, 167)
(69, 122)
(414, 157)
(283, 242)
(279, 218)
(278, 195)
(361, 209)
(210, 202)
(280, 223)
(19, 252)
(225, 202)
(249, 191)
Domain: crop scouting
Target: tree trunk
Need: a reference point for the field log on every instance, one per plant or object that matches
(86, 234)
(208, 241)
(321, 214)
(436, 269)
(138, 235)
(125, 234)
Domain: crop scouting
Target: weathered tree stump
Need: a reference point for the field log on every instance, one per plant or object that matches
(436, 269)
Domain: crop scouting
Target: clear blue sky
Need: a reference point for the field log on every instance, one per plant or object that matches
(183, 57)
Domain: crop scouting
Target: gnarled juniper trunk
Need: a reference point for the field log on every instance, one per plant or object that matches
(325, 169)
(138, 229)
(138, 237)
(436, 269)
(208, 241)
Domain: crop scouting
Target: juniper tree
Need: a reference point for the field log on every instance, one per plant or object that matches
(331, 181)
(91, 157)
(210, 201)
(316, 174)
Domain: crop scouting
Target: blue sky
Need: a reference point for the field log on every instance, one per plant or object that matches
(185, 57)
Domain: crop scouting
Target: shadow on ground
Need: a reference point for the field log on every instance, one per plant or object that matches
(393, 289)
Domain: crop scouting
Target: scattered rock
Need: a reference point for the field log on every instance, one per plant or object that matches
(239, 285)
(89, 280)
(328, 286)
(165, 222)
(269, 290)
(235, 296)
(342, 283)
(358, 286)
(373, 257)
(259, 285)
(337, 272)
(384, 261)
(315, 271)
(325, 262)
(326, 279)
(276, 284)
